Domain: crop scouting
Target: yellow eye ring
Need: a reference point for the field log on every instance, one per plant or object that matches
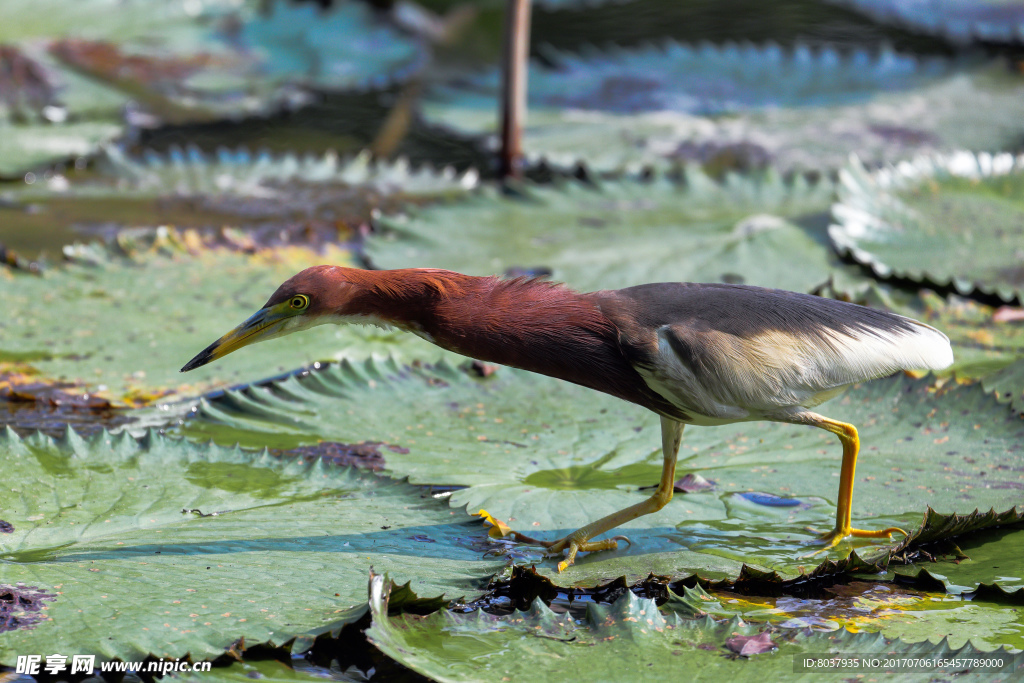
(298, 302)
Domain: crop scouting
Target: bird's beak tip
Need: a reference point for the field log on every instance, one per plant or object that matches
(201, 359)
(205, 356)
(257, 327)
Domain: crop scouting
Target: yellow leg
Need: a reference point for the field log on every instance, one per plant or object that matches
(847, 434)
(671, 436)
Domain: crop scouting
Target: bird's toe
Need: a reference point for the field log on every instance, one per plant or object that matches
(881, 533)
(832, 538)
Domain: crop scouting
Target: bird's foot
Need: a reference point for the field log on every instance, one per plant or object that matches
(574, 542)
(832, 538)
(576, 545)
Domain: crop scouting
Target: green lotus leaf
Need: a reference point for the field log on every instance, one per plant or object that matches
(990, 556)
(123, 327)
(742, 106)
(48, 116)
(171, 548)
(937, 526)
(345, 47)
(548, 457)
(55, 113)
(708, 80)
(1008, 384)
(30, 146)
(278, 198)
(991, 21)
(906, 220)
(624, 233)
(248, 63)
(868, 607)
(615, 642)
(190, 172)
(167, 61)
(963, 551)
(169, 81)
(104, 19)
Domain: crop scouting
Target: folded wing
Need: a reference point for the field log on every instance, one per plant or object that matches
(731, 352)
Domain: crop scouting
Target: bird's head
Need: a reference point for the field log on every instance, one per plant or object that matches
(315, 296)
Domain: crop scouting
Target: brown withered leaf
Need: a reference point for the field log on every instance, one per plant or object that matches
(691, 483)
(156, 82)
(25, 87)
(746, 646)
(28, 403)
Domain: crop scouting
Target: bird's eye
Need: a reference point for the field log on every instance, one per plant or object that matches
(299, 302)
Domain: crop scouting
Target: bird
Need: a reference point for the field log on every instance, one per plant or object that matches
(694, 354)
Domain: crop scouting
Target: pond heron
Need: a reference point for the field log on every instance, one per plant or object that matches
(702, 354)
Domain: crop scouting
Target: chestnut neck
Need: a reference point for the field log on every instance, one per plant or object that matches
(534, 325)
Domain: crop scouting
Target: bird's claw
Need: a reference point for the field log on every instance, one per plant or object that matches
(574, 542)
(832, 538)
(575, 546)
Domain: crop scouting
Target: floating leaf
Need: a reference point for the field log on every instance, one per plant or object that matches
(631, 635)
(29, 146)
(990, 21)
(1008, 385)
(954, 620)
(168, 61)
(29, 404)
(906, 220)
(123, 19)
(123, 327)
(344, 47)
(867, 607)
(278, 198)
(708, 80)
(937, 526)
(192, 547)
(190, 172)
(199, 81)
(624, 233)
(750, 105)
(546, 457)
(987, 549)
(77, 114)
(746, 646)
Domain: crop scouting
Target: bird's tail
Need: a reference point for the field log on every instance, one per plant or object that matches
(926, 348)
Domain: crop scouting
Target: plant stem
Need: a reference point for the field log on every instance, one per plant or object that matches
(515, 62)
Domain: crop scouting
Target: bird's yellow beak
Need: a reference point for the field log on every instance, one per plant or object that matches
(264, 324)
